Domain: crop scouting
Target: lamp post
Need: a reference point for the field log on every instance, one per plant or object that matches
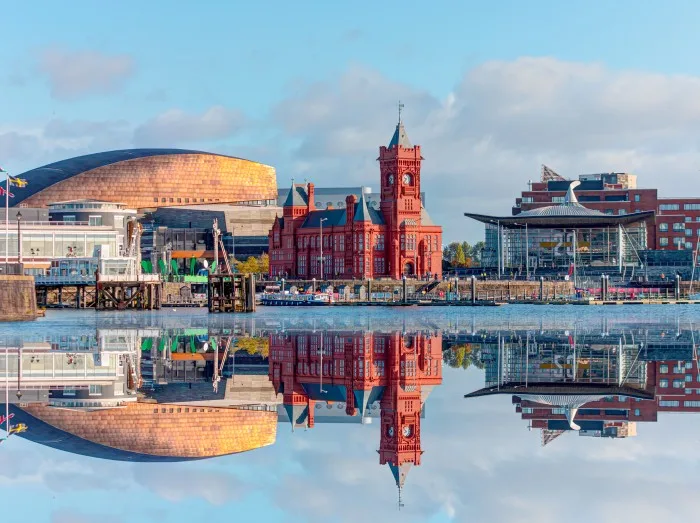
(19, 238)
(321, 243)
(19, 372)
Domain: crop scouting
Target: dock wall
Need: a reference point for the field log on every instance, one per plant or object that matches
(17, 298)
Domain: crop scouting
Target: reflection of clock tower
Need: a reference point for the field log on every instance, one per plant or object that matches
(400, 409)
(399, 165)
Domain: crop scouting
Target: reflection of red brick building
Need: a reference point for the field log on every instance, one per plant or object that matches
(359, 240)
(674, 384)
(358, 369)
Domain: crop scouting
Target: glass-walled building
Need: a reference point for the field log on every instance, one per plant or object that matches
(560, 239)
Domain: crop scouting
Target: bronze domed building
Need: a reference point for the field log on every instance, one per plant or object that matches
(149, 431)
(149, 178)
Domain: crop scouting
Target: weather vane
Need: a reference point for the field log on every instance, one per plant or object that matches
(400, 107)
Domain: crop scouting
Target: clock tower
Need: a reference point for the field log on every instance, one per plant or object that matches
(401, 405)
(399, 166)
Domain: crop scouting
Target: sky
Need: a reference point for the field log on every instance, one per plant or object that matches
(492, 90)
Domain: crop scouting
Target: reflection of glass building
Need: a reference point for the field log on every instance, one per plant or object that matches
(149, 178)
(555, 238)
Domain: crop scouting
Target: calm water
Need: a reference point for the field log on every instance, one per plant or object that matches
(516, 413)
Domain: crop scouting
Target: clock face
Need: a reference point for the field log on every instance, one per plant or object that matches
(391, 179)
(390, 432)
(407, 179)
(406, 431)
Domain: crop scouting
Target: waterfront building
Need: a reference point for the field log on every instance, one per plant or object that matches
(335, 196)
(355, 240)
(565, 238)
(677, 224)
(148, 179)
(364, 375)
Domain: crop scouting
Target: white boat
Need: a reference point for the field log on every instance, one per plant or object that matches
(284, 299)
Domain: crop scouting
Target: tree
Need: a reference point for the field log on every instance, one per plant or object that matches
(448, 252)
(459, 259)
(264, 263)
(477, 251)
(254, 345)
(254, 265)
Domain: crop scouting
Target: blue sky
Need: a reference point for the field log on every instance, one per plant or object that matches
(492, 89)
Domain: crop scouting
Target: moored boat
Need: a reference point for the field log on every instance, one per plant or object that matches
(284, 299)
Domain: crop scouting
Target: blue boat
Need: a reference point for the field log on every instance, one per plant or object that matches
(295, 300)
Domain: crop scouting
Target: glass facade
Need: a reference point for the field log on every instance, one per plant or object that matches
(58, 244)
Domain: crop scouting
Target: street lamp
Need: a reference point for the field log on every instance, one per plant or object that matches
(19, 238)
(321, 234)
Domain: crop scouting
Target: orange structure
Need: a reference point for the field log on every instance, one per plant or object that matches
(149, 431)
(149, 178)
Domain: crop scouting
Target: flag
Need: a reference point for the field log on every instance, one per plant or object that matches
(3, 191)
(16, 429)
(19, 182)
(2, 170)
(4, 419)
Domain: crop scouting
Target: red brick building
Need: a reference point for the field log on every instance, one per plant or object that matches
(677, 219)
(315, 371)
(360, 241)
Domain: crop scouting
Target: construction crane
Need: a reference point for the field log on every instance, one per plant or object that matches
(219, 244)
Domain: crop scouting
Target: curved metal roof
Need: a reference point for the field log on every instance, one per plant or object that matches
(42, 177)
(571, 209)
(55, 438)
(568, 216)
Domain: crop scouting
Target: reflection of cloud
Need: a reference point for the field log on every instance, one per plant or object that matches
(73, 74)
(217, 488)
(74, 516)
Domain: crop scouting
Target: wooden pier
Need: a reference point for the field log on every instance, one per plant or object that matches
(142, 292)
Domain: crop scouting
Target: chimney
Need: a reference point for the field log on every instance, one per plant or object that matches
(350, 202)
(312, 196)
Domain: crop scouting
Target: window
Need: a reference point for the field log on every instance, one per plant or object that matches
(678, 226)
(95, 220)
(71, 218)
(663, 227)
(608, 211)
(668, 403)
(663, 369)
(379, 265)
(69, 391)
(155, 200)
(691, 207)
(527, 410)
(678, 384)
(636, 412)
(663, 384)
(694, 404)
(558, 199)
(677, 241)
(688, 219)
(636, 198)
(528, 199)
(379, 239)
(162, 200)
(669, 207)
(621, 211)
(119, 222)
(689, 232)
(688, 378)
(95, 390)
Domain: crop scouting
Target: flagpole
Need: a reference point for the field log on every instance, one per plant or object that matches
(7, 221)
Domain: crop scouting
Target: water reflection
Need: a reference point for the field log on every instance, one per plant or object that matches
(151, 389)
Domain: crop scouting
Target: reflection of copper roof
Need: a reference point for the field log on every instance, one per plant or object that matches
(144, 431)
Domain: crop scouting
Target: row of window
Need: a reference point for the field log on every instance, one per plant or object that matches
(186, 200)
(679, 368)
(678, 242)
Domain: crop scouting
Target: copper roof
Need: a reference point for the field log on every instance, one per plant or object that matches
(150, 431)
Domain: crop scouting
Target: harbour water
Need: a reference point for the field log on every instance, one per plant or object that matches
(335, 414)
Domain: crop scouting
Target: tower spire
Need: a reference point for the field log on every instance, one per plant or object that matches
(400, 108)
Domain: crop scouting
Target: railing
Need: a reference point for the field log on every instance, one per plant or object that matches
(72, 279)
(45, 224)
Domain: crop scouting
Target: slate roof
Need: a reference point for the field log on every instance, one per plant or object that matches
(361, 210)
(400, 137)
(297, 196)
(337, 217)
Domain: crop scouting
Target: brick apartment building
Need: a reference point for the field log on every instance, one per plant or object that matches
(677, 224)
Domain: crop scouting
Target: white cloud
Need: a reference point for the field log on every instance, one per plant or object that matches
(74, 74)
(486, 138)
(176, 126)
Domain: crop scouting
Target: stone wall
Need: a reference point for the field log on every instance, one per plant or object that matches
(17, 298)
